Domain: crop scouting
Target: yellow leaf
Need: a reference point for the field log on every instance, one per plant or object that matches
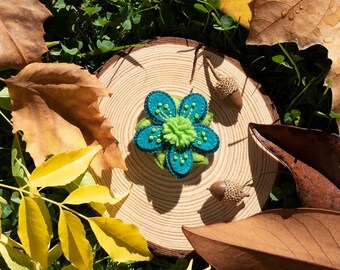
(15, 259)
(43, 209)
(22, 33)
(95, 193)
(123, 242)
(74, 244)
(2, 200)
(87, 179)
(63, 168)
(56, 106)
(32, 231)
(238, 9)
(10, 242)
(190, 264)
(54, 253)
(69, 267)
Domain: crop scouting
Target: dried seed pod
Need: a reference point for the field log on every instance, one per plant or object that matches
(227, 87)
(228, 191)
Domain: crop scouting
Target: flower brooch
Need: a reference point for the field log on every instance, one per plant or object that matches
(176, 131)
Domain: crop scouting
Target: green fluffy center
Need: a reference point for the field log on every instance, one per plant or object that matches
(179, 131)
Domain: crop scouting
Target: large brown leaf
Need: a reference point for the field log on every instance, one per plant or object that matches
(312, 156)
(21, 31)
(56, 106)
(278, 239)
(306, 22)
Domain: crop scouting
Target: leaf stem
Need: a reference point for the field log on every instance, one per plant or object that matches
(299, 95)
(5, 117)
(60, 205)
(292, 62)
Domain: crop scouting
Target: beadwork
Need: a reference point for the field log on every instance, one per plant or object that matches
(179, 131)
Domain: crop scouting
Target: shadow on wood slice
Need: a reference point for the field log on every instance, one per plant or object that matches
(160, 204)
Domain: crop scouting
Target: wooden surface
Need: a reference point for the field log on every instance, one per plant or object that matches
(158, 203)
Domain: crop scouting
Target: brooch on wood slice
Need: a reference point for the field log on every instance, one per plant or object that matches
(177, 131)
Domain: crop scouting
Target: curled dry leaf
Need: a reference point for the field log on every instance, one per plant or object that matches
(312, 156)
(278, 239)
(306, 22)
(22, 32)
(56, 106)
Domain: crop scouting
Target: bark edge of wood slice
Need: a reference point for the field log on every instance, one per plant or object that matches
(160, 204)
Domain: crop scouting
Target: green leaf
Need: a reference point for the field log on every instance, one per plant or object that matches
(278, 59)
(123, 242)
(75, 246)
(127, 25)
(208, 119)
(19, 170)
(215, 3)
(32, 231)
(15, 259)
(92, 10)
(200, 159)
(95, 193)
(143, 123)
(137, 18)
(105, 45)
(5, 101)
(334, 115)
(72, 51)
(181, 264)
(226, 21)
(16, 198)
(63, 168)
(201, 8)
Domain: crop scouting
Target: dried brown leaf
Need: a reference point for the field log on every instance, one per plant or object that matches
(278, 239)
(22, 32)
(312, 156)
(306, 22)
(56, 106)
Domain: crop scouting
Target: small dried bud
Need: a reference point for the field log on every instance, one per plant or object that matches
(227, 87)
(228, 191)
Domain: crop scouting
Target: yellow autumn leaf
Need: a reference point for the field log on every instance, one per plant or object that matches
(63, 168)
(54, 253)
(75, 246)
(123, 242)
(56, 106)
(94, 193)
(15, 259)
(2, 200)
(238, 9)
(32, 231)
(10, 242)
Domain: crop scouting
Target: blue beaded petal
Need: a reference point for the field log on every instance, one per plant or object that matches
(206, 141)
(159, 106)
(179, 163)
(148, 139)
(193, 106)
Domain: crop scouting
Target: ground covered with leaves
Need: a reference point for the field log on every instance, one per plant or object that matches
(90, 32)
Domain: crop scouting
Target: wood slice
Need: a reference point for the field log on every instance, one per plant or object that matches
(160, 204)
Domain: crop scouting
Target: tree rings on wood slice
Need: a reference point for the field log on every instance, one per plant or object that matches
(160, 204)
